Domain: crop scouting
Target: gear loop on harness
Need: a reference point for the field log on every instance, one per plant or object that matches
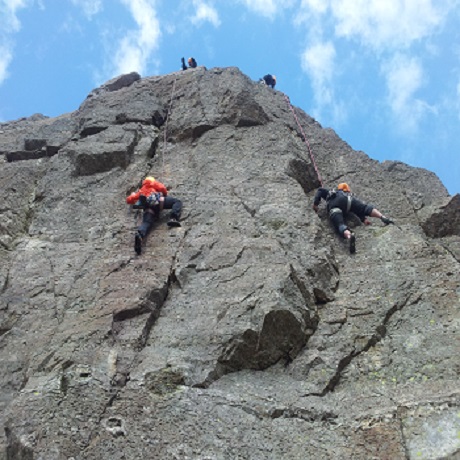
(335, 211)
(305, 140)
(349, 201)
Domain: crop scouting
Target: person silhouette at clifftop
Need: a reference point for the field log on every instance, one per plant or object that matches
(269, 80)
(191, 63)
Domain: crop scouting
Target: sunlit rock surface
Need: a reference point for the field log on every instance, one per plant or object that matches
(250, 332)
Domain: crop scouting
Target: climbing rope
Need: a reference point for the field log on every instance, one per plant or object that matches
(305, 140)
(166, 125)
(137, 213)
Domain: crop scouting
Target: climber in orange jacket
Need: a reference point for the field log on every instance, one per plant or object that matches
(152, 197)
(149, 186)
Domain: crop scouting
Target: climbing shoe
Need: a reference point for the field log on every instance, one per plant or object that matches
(138, 243)
(352, 243)
(386, 221)
(173, 222)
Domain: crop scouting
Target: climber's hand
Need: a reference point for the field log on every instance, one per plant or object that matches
(386, 221)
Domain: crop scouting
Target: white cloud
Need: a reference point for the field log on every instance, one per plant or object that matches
(318, 61)
(404, 77)
(138, 45)
(311, 13)
(314, 6)
(388, 23)
(205, 12)
(90, 7)
(267, 8)
(264, 7)
(379, 24)
(8, 9)
(9, 24)
(5, 59)
(383, 28)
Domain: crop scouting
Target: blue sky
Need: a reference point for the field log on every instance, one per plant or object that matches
(384, 74)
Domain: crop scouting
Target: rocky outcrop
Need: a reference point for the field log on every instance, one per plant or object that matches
(115, 84)
(249, 332)
(442, 219)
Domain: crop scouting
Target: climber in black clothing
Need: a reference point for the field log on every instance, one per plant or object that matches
(269, 80)
(191, 63)
(339, 203)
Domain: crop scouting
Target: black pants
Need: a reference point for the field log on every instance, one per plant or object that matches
(269, 81)
(339, 206)
(151, 214)
(174, 204)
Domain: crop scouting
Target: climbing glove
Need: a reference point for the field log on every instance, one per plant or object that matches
(386, 221)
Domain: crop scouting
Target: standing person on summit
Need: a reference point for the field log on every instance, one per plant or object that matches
(191, 63)
(339, 204)
(153, 197)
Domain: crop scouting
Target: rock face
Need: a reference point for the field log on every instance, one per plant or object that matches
(247, 333)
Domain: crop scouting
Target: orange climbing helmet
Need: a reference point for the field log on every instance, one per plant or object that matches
(344, 187)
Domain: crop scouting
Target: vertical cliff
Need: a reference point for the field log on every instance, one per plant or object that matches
(250, 332)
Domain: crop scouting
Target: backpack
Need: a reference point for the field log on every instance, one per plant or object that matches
(153, 199)
(148, 201)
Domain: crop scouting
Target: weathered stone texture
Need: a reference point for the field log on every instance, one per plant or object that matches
(249, 332)
(442, 219)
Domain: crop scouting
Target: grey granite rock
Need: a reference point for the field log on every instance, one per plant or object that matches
(247, 333)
